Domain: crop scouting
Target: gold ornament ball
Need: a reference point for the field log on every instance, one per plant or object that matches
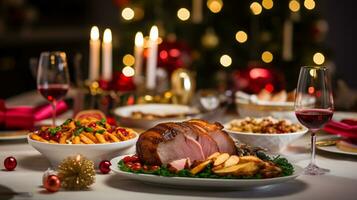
(76, 173)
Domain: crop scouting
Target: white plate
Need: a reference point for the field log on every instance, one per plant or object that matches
(125, 119)
(202, 183)
(334, 149)
(13, 135)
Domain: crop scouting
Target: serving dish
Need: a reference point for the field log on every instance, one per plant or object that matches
(202, 183)
(161, 112)
(55, 153)
(273, 142)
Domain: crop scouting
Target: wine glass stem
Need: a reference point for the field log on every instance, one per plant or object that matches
(54, 104)
(313, 147)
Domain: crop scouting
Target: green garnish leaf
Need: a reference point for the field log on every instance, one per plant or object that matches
(67, 122)
(100, 131)
(78, 123)
(88, 129)
(283, 163)
(54, 130)
(103, 120)
(78, 131)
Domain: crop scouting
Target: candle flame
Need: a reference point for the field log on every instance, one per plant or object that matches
(154, 33)
(139, 39)
(107, 38)
(94, 33)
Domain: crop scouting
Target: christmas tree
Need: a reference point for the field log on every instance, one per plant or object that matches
(217, 38)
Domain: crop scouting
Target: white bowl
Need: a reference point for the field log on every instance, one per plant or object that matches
(56, 153)
(274, 143)
(125, 119)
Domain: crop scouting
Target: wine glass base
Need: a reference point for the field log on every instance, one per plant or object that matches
(314, 170)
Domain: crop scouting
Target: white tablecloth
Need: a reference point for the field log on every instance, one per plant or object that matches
(340, 183)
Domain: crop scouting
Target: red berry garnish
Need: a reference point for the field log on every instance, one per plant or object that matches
(145, 167)
(127, 159)
(10, 163)
(135, 158)
(104, 166)
(154, 167)
(136, 167)
(129, 164)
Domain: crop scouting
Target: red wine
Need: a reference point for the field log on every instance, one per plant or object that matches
(314, 118)
(53, 92)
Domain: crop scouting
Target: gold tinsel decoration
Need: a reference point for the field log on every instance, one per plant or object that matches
(76, 173)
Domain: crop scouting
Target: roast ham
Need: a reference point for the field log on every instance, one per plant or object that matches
(194, 140)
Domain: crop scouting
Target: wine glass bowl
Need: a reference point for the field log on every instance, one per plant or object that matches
(314, 84)
(53, 78)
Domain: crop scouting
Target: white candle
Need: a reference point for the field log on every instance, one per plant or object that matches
(107, 55)
(287, 53)
(94, 48)
(138, 53)
(152, 59)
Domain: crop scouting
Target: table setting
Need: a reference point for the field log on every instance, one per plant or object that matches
(158, 126)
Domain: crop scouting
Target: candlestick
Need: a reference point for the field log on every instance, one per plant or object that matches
(94, 47)
(287, 53)
(107, 55)
(138, 53)
(152, 59)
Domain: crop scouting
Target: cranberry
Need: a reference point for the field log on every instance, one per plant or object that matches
(145, 167)
(135, 158)
(127, 159)
(137, 164)
(154, 167)
(135, 167)
(129, 164)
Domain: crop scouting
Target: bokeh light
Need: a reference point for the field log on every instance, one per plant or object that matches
(318, 58)
(294, 5)
(128, 71)
(215, 6)
(183, 14)
(267, 57)
(225, 60)
(128, 13)
(268, 4)
(241, 36)
(256, 8)
(309, 4)
(128, 60)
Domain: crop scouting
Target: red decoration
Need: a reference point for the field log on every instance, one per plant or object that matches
(10, 163)
(173, 55)
(257, 77)
(123, 83)
(104, 166)
(52, 183)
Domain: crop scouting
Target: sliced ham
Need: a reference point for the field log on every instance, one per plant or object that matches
(180, 164)
(223, 140)
(168, 143)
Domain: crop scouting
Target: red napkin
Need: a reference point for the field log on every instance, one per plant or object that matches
(24, 117)
(346, 128)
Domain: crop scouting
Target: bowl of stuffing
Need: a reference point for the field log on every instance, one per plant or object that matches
(269, 133)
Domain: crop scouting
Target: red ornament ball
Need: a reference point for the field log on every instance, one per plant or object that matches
(10, 163)
(52, 183)
(104, 166)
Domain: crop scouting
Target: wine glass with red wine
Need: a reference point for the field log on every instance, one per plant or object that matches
(53, 78)
(314, 106)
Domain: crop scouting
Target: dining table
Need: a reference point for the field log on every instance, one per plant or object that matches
(25, 182)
